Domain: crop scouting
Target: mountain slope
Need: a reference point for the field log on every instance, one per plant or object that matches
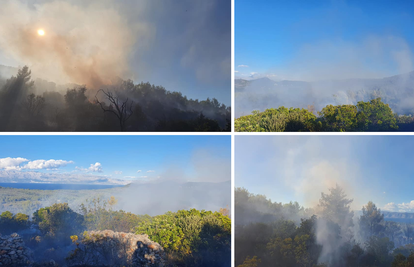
(261, 94)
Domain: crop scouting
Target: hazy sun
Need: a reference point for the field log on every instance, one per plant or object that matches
(41, 32)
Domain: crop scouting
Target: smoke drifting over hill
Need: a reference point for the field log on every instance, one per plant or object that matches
(344, 186)
(264, 93)
(87, 44)
(83, 66)
(183, 46)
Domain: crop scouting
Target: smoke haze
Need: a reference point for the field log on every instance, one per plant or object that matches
(96, 43)
(84, 45)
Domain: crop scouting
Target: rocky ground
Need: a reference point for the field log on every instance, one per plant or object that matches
(109, 248)
(13, 251)
(95, 248)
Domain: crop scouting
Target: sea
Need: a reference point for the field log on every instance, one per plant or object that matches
(39, 186)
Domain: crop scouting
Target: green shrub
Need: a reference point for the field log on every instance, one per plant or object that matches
(373, 115)
(277, 120)
(191, 237)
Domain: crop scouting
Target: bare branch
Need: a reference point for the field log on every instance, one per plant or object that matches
(123, 112)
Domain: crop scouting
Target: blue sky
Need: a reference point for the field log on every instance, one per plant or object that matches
(299, 168)
(289, 39)
(114, 159)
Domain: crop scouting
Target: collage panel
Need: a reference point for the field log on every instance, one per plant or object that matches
(160, 102)
(324, 201)
(115, 200)
(112, 66)
(324, 66)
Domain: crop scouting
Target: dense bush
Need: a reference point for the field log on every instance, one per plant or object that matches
(189, 237)
(192, 237)
(58, 222)
(277, 120)
(373, 115)
(10, 223)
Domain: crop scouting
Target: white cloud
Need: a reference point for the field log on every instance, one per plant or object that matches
(129, 177)
(118, 172)
(391, 207)
(139, 171)
(144, 177)
(97, 167)
(236, 71)
(11, 163)
(242, 66)
(150, 171)
(46, 164)
(403, 207)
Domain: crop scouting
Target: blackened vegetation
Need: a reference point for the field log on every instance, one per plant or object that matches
(125, 106)
(97, 234)
(276, 234)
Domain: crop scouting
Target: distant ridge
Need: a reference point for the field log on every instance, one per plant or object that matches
(393, 216)
(264, 93)
(7, 71)
(403, 217)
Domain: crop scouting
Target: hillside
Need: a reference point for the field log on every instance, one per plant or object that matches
(153, 198)
(99, 235)
(7, 71)
(264, 93)
(29, 104)
(331, 234)
(401, 217)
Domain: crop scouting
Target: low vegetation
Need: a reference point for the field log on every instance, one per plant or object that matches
(189, 237)
(371, 116)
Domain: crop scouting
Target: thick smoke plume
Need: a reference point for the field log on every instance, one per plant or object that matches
(86, 44)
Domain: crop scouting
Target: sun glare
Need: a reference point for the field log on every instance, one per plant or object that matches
(41, 32)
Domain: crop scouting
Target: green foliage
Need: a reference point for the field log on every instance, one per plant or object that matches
(58, 221)
(253, 208)
(402, 261)
(98, 215)
(250, 262)
(372, 115)
(375, 116)
(277, 120)
(267, 231)
(189, 237)
(280, 243)
(378, 248)
(10, 223)
(336, 207)
(193, 237)
(28, 201)
(404, 250)
(371, 220)
(6, 216)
